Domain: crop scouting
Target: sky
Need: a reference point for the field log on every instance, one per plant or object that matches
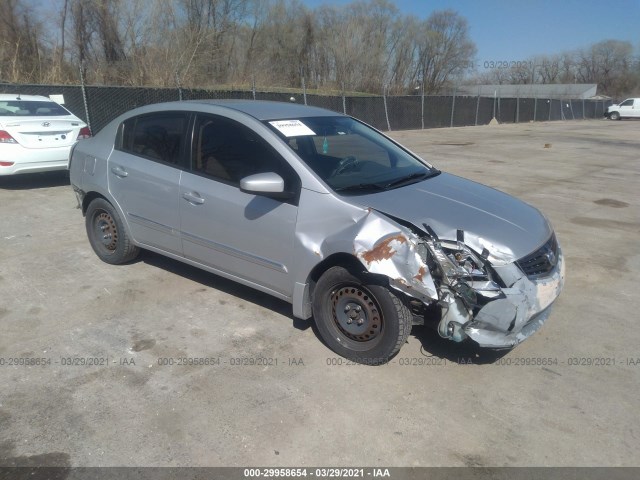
(515, 30)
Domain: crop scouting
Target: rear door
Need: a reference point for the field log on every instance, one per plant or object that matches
(244, 235)
(144, 173)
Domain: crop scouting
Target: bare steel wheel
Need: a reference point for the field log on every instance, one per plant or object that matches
(356, 314)
(105, 226)
(108, 234)
(359, 317)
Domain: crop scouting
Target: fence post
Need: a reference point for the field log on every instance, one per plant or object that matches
(550, 105)
(477, 108)
(304, 86)
(253, 86)
(494, 104)
(518, 109)
(344, 101)
(84, 96)
(535, 108)
(573, 117)
(422, 106)
(453, 106)
(386, 111)
(178, 85)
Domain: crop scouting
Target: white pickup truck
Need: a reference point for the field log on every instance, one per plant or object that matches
(630, 108)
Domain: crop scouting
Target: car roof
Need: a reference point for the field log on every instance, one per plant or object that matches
(267, 110)
(17, 96)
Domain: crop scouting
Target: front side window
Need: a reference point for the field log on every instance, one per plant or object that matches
(26, 108)
(229, 151)
(155, 136)
(627, 103)
(350, 156)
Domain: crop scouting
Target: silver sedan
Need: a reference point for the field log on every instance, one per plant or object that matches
(325, 212)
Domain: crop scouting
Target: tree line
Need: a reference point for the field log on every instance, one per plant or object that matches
(610, 63)
(365, 46)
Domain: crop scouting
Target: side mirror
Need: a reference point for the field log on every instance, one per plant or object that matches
(269, 184)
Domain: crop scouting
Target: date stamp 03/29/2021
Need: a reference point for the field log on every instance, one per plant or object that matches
(290, 361)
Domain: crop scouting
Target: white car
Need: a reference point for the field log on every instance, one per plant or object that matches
(36, 134)
(630, 108)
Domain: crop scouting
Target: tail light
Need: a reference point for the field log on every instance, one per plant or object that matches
(6, 164)
(85, 132)
(6, 138)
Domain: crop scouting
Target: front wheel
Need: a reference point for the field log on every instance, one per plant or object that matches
(614, 116)
(107, 233)
(359, 319)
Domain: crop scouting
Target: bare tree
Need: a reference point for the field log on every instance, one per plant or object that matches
(82, 32)
(445, 50)
(607, 63)
(365, 45)
(20, 43)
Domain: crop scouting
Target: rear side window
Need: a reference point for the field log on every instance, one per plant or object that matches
(24, 108)
(157, 137)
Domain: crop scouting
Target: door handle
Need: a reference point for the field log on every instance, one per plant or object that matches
(193, 198)
(119, 172)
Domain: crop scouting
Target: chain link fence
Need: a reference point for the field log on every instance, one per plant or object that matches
(98, 105)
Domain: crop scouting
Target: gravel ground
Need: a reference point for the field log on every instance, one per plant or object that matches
(567, 396)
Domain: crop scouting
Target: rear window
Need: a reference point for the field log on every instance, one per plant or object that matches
(25, 108)
(156, 136)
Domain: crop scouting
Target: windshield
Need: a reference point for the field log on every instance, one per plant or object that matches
(26, 108)
(349, 156)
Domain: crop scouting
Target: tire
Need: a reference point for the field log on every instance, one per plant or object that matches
(614, 116)
(107, 233)
(385, 319)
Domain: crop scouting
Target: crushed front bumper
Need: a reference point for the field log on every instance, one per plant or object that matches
(510, 304)
(525, 306)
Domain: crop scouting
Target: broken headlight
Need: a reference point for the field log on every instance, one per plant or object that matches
(461, 272)
(455, 261)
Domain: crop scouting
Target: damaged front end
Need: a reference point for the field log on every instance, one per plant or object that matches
(486, 296)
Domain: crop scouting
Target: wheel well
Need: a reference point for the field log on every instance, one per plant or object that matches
(354, 265)
(88, 198)
(344, 260)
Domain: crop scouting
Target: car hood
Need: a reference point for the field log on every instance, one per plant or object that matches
(505, 226)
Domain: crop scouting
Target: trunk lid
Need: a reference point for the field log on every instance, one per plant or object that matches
(43, 132)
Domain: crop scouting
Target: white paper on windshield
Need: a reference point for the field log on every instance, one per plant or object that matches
(59, 99)
(292, 128)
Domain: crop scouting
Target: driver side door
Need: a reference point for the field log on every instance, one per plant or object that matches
(242, 235)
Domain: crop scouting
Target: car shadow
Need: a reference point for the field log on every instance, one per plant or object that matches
(222, 284)
(432, 345)
(30, 181)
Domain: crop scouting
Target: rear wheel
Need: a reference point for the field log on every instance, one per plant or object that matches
(614, 116)
(107, 233)
(359, 319)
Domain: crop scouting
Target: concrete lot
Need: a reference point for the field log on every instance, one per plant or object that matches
(460, 407)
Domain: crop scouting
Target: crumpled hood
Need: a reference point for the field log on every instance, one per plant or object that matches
(507, 227)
